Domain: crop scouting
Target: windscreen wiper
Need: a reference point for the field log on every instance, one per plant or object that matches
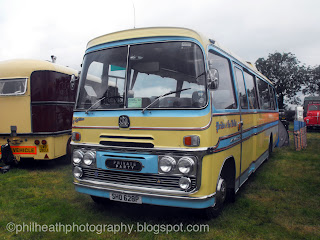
(160, 97)
(94, 104)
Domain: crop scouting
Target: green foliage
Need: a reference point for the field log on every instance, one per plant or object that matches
(286, 74)
(312, 83)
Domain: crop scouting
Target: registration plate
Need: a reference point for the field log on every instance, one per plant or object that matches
(121, 197)
(44, 148)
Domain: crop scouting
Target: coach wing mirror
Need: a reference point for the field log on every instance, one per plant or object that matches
(73, 81)
(213, 78)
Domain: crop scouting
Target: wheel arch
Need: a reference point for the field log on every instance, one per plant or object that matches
(228, 171)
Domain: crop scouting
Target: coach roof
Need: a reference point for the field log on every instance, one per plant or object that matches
(24, 67)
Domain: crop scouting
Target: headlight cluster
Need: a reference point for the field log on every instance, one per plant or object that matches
(85, 158)
(82, 158)
(185, 165)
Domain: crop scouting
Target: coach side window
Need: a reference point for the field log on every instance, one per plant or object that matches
(223, 97)
(272, 98)
(264, 96)
(251, 90)
(241, 88)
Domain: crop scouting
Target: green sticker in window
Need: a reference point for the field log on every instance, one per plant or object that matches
(116, 68)
(134, 102)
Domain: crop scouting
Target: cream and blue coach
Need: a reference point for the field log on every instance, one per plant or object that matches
(168, 117)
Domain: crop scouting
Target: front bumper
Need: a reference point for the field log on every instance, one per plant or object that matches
(151, 198)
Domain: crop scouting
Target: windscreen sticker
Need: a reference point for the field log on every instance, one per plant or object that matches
(134, 102)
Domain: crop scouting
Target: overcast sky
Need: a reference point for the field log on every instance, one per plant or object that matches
(250, 28)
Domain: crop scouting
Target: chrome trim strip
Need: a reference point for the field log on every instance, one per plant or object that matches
(147, 192)
(243, 113)
(96, 127)
(200, 151)
(214, 149)
(51, 103)
(151, 128)
(175, 129)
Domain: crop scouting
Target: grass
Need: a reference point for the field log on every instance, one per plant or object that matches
(280, 201)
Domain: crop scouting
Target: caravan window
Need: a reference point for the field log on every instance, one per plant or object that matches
(13, 86)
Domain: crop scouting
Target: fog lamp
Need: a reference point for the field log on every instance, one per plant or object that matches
(77, 172)
(185, 183)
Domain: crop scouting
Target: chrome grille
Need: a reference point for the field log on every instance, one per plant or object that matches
(155, 181)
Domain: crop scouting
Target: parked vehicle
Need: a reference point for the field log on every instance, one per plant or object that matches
(312, 119)
(36, 102)
(309, 100)
(168, 117)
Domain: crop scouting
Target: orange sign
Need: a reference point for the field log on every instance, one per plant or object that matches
(23, 150)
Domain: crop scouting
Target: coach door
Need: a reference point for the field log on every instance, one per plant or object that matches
(245, 121)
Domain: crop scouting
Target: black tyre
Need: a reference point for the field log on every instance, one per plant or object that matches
(231, 195)
(270, 147)
(68, 151)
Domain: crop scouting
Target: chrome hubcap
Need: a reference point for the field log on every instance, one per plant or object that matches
(222, 190)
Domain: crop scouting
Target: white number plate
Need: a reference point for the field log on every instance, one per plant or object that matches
(130, 198)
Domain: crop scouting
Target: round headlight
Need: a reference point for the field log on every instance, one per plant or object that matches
(89, 158)
(185, 164)
(167, 163)
(77, 172)
(77, 156)
(184, 183)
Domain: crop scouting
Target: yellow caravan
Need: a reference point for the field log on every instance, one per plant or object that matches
(36, 102)
(166, 116)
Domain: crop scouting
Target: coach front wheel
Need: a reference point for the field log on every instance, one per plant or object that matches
(220, 197)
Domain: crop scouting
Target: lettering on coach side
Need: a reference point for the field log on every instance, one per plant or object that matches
(77, 120)
(229, 124)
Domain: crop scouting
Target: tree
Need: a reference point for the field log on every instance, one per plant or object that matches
(285, 73)
(312, 83)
